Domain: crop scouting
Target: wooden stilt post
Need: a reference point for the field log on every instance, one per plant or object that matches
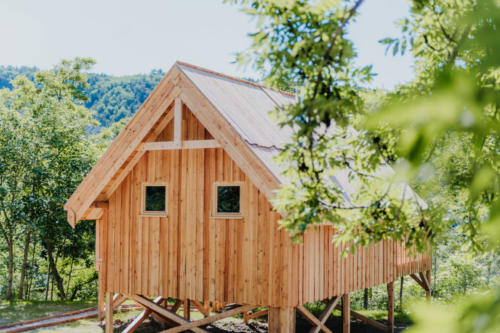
(109, 312)
(206, 305)
(346, 314)
(187, 309)
(281, 320)
(101, 257)
(390, 307)
(428, 291)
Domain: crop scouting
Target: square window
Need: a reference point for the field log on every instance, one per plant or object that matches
(227, 200)
(154, 201)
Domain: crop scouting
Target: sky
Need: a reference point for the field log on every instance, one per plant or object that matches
(136, 36)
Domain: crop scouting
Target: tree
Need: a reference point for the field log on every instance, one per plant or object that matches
(47, 158)
(440, 132)
(13, 162)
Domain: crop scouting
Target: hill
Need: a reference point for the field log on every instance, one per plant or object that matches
(112, 97)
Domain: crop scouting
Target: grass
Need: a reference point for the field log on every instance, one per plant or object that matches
(399, 317)
(15, 311)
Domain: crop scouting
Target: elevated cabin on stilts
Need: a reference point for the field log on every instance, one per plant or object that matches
(182, 204)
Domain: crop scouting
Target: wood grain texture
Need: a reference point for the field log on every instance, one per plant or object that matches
(189, 254)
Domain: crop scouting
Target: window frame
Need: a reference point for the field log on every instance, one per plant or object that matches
(215, 200)
(153, 213)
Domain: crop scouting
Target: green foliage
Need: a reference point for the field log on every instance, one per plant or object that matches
(439, 133)
(46, 153)
(116, 98)
(113, 98)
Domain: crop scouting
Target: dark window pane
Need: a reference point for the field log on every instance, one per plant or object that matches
(228, 199)
(155, 198)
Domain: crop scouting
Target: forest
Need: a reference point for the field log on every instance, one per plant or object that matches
(440, 133)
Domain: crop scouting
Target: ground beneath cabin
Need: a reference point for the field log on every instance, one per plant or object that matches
(17, 312)
(222, 326)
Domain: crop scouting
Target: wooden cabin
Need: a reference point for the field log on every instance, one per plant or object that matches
(182, 204)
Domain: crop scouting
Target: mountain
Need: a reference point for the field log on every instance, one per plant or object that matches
(112, 97)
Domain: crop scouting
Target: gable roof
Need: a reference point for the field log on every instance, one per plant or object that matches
(246, 106)
(234, 111)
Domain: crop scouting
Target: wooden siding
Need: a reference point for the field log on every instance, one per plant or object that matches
(319, 270)
(189, 254)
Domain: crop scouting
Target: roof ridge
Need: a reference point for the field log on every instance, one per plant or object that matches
(232, 78)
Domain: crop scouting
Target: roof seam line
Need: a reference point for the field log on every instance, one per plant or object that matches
(262, 146)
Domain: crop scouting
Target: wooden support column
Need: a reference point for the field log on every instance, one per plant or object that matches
(109, 312)
(187, 309)
(390, 307)
(101, 245)
(346, 314)
(428, 291)
(281, 320)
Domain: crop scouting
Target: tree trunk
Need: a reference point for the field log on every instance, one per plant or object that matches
(47, 287)
(32, 268)
(365, 299)
(69, 275)
(55, 273)
(10, 245)
(27, 240)
(401, 294)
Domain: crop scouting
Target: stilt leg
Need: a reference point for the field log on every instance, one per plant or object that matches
(346, 314)
(109, 312)
(281, 320)
(390, 307)
(100, 299)
(187, 309)
(428, 292)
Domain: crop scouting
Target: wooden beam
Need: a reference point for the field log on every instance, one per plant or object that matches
(117, 301)
(325, 314)
(390, 307)
(420, 282)
(141, 317)
(178, 122)
(121, 148)
(201, 308)
(346, 314)
(101, 256)
(367, 320)
(282, 320)
(423, 278)
(171, 145)
(187, 309)
(109, 312)
(176, 306)
(200, 144)
(137, 321)
(230, 140)
(138, 154)
(92, 214)
(163, 312)
(248, 315)
(428, 292)
(205, 321)
(317, 324)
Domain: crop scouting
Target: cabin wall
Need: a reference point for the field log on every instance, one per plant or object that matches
(189, 254)
(320, 271)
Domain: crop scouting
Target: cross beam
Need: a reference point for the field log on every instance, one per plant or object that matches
(164, 312)
(319, 323)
